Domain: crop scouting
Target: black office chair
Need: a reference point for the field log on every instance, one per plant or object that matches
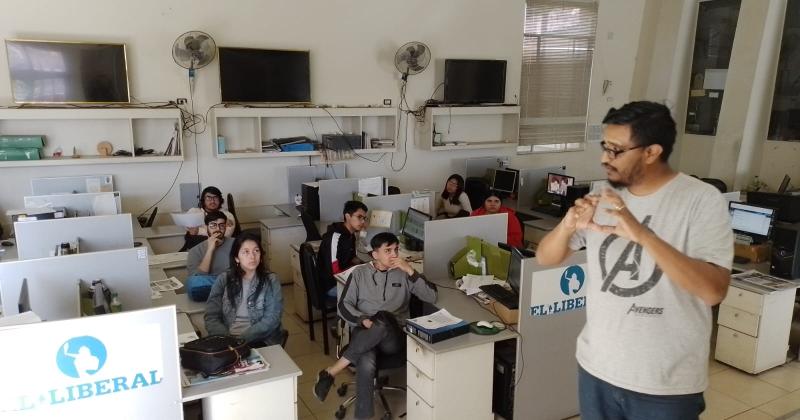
(384, 364)
(312, 233)
(316, 298)
(718, 183)
(392, 190)
(237, 229)
(477, 190)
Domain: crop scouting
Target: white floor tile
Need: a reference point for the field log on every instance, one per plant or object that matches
(720, 406)
(745, 387)
(785, 377)
(782, 406)
(753, 414)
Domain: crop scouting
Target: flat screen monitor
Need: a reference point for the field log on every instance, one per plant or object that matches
(67, 72)
(515, 269)
(557, 184)
(474, 81)
(754, 221)
(414, 226)
(254, 75)
(504, 180)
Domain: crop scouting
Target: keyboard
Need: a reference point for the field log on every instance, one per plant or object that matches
(523, 217)
(549, 210)
(499, 293)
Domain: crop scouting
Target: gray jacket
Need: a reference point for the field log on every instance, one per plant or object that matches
(369, 290)
(265, 310)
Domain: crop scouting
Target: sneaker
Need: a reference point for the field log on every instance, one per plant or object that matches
(323, 384)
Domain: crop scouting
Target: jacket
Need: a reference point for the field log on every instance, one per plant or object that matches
(336, 253)
(265, 310)
(514, 233)
(369, 290)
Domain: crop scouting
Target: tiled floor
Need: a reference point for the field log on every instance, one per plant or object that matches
(732, 394)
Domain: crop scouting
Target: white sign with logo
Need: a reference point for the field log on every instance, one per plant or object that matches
(114, 366)
(558, 290)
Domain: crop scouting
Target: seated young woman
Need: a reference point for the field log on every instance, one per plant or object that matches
(455, 202)
(494, 205)
(210, 200)
(246, 301)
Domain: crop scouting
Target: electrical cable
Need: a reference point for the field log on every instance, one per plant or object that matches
(165, 194)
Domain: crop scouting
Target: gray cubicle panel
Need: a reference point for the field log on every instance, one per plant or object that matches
(36, 239)
(72, 184)
(52, 282)
(85, 204)
(477, 167)
(297, 175)
(548, 386)
(530, 180)
(444, 238)
(333, 193)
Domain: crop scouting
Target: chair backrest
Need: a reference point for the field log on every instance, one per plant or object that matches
(237, 229)
(310, 272)
(152, 217)
(477, 189)
(718, 183)
(392, 190)
(312, 233)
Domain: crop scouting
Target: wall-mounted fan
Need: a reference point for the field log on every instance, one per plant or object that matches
(194, 50)
(412, 58)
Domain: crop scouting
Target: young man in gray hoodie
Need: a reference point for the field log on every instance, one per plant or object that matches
(375, 304)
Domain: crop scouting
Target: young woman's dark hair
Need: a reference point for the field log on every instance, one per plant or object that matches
(233, 285)
(459, 189)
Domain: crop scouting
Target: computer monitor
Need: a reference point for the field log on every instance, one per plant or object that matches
(784, 184)
(504, 180)
(557, 184)
(414, 228)
(515, 269)
(750, 220)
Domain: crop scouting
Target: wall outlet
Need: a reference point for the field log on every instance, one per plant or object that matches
(180, 101)
(387, 102)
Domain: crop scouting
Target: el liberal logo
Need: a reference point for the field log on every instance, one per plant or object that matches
(83, 358)
(571, 283)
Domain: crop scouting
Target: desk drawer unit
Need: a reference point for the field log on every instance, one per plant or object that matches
(739, 320)
(417, 408)
(420, 383)
(736, 349)
(423, 359)
(744, 300)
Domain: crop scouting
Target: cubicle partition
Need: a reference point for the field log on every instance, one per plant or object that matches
(86, 204)
(297, 175)
(72, 184)
(530, 182)
(333, 193)
(552, 312)
(36, 239)
(444, 238)
(53, 282)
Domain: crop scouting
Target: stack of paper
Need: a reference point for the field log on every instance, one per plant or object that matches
(471, 283)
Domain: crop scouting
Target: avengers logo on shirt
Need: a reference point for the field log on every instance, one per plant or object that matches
(623, 276)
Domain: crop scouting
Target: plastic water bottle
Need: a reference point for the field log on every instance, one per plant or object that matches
(116, 305)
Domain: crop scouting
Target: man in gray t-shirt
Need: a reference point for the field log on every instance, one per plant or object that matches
(208, 259)
(659, 249)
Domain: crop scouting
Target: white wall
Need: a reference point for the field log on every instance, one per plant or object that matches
(352, 43)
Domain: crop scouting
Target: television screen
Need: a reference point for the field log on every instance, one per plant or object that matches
(67, 72)
(557, 184)
(253, 75)
(474, 81)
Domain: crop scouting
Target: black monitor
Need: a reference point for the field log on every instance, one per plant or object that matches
(474, 81)
(254, 75)
(784, 184)
(750, 220)
(557, 184)
(414, 228)
(515, 269)
(504, 180)
(67, 72)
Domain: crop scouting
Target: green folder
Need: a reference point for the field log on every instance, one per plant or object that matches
(15, 141)
(30, 153)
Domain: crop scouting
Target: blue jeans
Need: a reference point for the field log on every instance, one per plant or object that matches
(602, 401)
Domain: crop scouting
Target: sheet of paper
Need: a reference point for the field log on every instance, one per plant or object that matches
(163, 285)
(189, 220)
(372, 185)
(471, 283)
(438, 319)
(380, 218)
(422, 204)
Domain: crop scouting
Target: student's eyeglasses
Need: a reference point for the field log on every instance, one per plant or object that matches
(613, 153)
(220, 225)
(211, 198)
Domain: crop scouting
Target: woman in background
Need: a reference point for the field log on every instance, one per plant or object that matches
(455, 202)
(246, 301)
(494, 205)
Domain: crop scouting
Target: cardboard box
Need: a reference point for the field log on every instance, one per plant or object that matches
(754, 253)
(507, 316)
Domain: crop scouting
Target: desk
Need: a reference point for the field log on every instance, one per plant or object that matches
(8, 253)
(271, 394)
(277, 235)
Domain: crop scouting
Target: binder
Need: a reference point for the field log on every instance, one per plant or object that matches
(439, 334)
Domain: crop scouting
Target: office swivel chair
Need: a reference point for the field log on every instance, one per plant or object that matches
(312, 233)
(384, 364)
(477, 189)
(237, 229)
(316, 298)
(718, 183)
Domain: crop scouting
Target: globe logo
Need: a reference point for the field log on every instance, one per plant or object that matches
(81, 357)
(572, 280)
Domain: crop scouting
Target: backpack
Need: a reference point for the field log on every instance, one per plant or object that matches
(213, 354)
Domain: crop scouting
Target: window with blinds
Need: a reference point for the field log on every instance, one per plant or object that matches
(557, 49)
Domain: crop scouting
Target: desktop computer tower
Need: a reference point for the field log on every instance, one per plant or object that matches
(310, 195)
(505, 360)
(785, 259)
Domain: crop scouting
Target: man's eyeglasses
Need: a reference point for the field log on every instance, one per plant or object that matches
(210, 197)
(613, 153)
(220, 225)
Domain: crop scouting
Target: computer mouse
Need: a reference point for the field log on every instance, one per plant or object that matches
(7, 243)
(485, 324)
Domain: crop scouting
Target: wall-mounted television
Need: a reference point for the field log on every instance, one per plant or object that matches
(474, 81)
(255, 75)
(67, 72)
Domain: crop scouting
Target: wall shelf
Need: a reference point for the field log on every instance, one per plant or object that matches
(470, 127)
(244, 129)
(84, 128)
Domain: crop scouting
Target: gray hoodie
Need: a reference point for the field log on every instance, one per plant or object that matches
(369, 290)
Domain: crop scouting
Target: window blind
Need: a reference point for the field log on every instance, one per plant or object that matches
(557, 50)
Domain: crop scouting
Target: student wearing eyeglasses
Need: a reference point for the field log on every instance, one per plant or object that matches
(337, 252)
(208, 259)
(211, 200)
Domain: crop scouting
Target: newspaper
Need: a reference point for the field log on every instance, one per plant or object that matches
(471, 283)
(761, 283)
(163, 285)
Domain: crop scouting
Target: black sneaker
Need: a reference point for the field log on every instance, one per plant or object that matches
(323, 384)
